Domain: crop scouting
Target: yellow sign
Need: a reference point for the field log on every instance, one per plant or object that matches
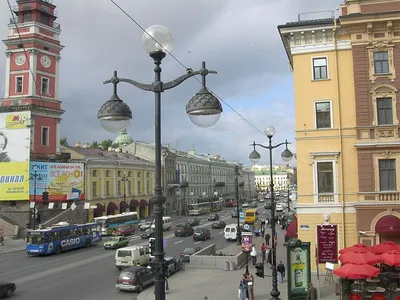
(14, 181)
(17, 121)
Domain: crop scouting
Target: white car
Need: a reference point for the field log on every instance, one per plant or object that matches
(245, 204)
(145, 225)
(279, 208)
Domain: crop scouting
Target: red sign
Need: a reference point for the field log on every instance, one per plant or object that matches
(327, 243)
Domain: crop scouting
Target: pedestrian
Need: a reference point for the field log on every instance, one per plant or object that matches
(263, 251)
(2, 236)
(312, 292)
(276, 240)
(269, 258)
(243, 288)
(262, 230)
(267, 238)
(253, 254)
(281, 270)
(250, 284)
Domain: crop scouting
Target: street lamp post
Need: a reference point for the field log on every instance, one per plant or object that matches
(124, 179)
(288, 192)
(255, 157)
(35, 176)
(238, 231)
(204, 110)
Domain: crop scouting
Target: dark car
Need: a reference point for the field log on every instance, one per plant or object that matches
(172, 266)
(234, 214)
(124, 231)
(193, 222)
(201, 234)
(213, 217)
(185, 255)
(183, 230)
(134, 279)
(148, 233)
(7, 289)
(218, 225)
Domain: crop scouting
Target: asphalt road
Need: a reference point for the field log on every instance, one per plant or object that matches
(88, 273)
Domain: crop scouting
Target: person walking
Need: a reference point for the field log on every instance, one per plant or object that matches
(2, 236)
(253, 254)
(281, 270)
(263, 251)
(250, 284)
(243, 288)
(312, 292)
(267, 238)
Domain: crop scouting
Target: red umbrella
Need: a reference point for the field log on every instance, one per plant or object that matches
(391, 258)
(385, 247)
(354, 247)
(356, 270)
(360, 255)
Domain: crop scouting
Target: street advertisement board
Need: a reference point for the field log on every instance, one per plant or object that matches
(63, 181)
(15, 141)
(247, 241)
(299, 269)
(241, 216)
(327, 244)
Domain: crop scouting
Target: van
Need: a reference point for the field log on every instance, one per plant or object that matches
(166, 221)
(132, 256)
(230, 232)
(250, 215)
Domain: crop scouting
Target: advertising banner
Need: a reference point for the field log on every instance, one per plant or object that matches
(63, 181)
(299, 268)
(327, 244)
(15, 141)
(247, 241)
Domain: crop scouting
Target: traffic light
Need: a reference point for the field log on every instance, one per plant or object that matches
(152, 246)
(45, 196)
(260, 270)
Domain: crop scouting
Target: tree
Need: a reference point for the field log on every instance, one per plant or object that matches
(95, 145)
(106, 144)
(64, 142)
(115, 145)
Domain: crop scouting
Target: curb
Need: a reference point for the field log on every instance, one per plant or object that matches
(12, 251)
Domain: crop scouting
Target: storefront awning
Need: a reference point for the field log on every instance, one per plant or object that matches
(134, 203)
(388, 224)
(291, 231)
(143, 203)
(124, 205)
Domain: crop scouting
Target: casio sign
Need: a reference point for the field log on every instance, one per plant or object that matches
(70, 242)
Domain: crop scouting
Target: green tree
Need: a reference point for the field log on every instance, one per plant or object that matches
(106, 144)
(95, 145)
(64, 142)
(115, 145)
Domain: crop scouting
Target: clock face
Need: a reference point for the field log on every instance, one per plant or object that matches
(45, 61)
(20, 59)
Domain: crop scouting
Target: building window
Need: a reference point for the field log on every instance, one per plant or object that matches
(94, 173)
(130, 174)
(381, 62)
(108, 189)
(129, 188)
(139, 175)
(94, 189)
(108, 173)
(148, 175)
(119, 188)
(387, 174)
(384, 108)
(45, 136)
(119, 174)
(45, 86)
(147, 187)
(18, 84)
(139, 190)
(320, 68)
(27, 17)
(323, 115)
(44, 19)
(325, 179)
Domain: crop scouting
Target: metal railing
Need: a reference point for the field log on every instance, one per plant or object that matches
(326, 198)
(318, 15)
(54, 25)
(30, 6)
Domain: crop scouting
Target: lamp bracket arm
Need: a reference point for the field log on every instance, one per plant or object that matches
(284, 143)
(142, 86)
(265, 147)
(179, 80)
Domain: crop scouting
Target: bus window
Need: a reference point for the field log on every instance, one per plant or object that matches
(141, 251)
(35, 239)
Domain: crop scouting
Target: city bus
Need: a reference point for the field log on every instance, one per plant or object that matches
(197, 209)
(109, 223)
(216, 206)
(62, 237)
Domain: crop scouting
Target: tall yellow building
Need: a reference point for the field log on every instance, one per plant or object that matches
(347, 127)
(114, 182)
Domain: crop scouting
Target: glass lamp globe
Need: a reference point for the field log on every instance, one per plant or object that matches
(157, 38)
(204, 120)
(254, 157)
(269, 131)
(287, 155)
(113, 125)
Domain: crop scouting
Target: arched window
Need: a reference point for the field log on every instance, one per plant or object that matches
(94, 173)
(108, 173)
(119, 174)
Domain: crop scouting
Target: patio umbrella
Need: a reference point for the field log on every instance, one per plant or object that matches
(356, 270)
(385, 247)
(360, 255)
(354, 247)
(391, 258)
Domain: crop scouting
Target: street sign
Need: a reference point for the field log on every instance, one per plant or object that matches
(164, 242)
(246, 227)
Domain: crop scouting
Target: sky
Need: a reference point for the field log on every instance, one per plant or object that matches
(237, 38)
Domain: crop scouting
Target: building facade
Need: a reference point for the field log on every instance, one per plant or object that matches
(114, 182)
(346, 120)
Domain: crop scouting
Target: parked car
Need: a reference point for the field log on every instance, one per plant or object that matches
(213, 217)
(201, 234)
(145, 225)
(116, 242)
(185, 255)
(245, 204)
(279, 208)
(218, 225)
(148, 233)
(234, 214)
(134, 279)
(183, 230)
(193, 222)
(7, 289)
(172, 265)
(124, 230)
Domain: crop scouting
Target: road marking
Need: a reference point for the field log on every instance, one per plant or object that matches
(178, 242)
(220, 232)
(198, 242)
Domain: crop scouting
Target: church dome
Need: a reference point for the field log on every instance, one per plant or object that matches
(123, 139)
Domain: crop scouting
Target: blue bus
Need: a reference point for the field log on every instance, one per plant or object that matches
(62, 237)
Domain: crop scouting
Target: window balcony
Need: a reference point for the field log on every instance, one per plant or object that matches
(326, 198)
(390, 196)
(184, 184)
(220, 183)
(378, 135)
(241, 183)
(173, 183)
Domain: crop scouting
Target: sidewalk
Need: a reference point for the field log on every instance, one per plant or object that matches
(12, 245)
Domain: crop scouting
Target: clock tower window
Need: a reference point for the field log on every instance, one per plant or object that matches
(45, 86)
(45, 19)
(18, 84)
(45, 136)
(27, 17)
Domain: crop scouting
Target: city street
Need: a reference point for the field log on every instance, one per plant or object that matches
(89, 273)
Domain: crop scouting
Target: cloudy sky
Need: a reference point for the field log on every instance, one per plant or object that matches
(238, 38)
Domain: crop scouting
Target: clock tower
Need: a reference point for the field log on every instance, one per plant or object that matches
(32, 72)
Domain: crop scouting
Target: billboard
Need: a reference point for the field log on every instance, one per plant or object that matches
(15, 141)
(327, 244)
(63, 181)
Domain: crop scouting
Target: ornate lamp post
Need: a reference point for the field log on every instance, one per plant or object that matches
(204, 110)
(35, 176)
(238, 233)
(124, 179)
(255, 157)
